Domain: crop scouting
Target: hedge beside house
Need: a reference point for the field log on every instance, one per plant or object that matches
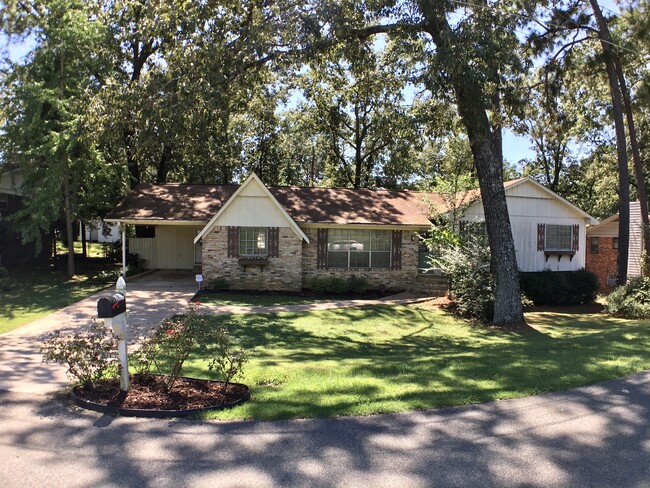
(559, 287)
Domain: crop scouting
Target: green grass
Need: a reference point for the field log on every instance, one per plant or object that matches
(253, 300)
(93, 249)
(38, 292)
(382, 359)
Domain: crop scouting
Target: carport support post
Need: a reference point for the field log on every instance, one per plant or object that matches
(123, 250)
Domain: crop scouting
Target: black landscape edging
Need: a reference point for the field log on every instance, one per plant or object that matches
(154, 413)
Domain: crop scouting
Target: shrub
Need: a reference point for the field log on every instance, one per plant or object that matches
(89, 353)
(169, 346)
(559, 287)
(217, 284)
(5, 280)
(471, 283)
(631, 300)
(338, 286)
(227, 362)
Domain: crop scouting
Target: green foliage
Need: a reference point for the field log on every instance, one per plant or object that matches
(471, 283)
(226, 362)
(169, 346)
(217, 284)
(5, 279)
(559, 287)
(89, 353)
(337, 286)
(631, 300)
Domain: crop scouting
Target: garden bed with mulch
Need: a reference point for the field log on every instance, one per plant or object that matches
(147, 396)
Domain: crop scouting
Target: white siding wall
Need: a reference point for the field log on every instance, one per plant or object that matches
(636, 241)
(253, 208)
(172, 248)
(527, 207)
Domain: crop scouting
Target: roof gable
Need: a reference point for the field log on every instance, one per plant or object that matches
(252, 205)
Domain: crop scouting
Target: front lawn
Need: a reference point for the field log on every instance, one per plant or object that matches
(381, 359)
(38, 292)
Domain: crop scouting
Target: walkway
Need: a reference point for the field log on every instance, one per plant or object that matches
(150, 299)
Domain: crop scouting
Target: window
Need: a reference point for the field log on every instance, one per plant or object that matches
(558, 237)
(615, 242)
(252, 241)
(145, 231)
(593, 248)
(4, 201)
(358, 248)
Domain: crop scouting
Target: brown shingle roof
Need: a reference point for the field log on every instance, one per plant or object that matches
(172, 201)
(303, 204)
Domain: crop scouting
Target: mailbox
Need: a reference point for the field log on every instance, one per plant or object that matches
(107, 308)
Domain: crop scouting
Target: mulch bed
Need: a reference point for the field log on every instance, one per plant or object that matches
(147, 392)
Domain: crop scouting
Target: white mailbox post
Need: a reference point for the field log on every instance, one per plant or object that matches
(199, 280)
(113, 311)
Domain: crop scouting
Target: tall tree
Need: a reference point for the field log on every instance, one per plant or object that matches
(44, 131)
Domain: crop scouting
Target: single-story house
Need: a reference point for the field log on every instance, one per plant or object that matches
(279, 238)
(602, 248)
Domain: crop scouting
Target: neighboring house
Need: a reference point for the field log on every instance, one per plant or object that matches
(100, 231)
(602, 251)
(12, 250)
(279, 238)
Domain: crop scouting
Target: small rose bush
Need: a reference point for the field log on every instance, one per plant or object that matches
(89, 353)
(226, 361)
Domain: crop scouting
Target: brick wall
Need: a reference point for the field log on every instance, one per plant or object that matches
(281, 273)
(603, 263)
(392, 279)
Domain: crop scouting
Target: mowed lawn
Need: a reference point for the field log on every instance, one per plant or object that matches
(381, 359)
(36, 293)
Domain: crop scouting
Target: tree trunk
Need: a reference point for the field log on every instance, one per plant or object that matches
(636, 158)
(69, 223)
(621, 149)
(84, 251)
(471, 106)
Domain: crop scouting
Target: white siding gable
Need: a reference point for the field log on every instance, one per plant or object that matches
(253, 208)
(529, 205)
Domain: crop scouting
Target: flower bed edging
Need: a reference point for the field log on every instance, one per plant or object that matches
(155, 413)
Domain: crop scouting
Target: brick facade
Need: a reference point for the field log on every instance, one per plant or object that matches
(603, 262)
(296, 265)
(405, 278)
(280, 274)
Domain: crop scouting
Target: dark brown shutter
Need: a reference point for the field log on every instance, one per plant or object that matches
(233, 242)
(321, 249)
(274, 242)
(541, 235)
(576, 238)
(396, 250)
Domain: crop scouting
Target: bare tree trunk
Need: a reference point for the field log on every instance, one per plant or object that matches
(621, 150)
(489, 168)
(69, 223)
(636, 157)
(84, 250)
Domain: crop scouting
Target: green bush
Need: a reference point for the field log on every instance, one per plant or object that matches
(217, 284)
(559, 287)
(5, 280)
(631, 300)
(471, 283)
(338, 286)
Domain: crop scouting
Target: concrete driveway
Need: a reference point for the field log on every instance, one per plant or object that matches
(150, 298)
(597, 436)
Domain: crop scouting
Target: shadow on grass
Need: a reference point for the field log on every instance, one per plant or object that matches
(404, 358)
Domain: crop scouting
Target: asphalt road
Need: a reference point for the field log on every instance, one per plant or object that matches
(597, 436)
